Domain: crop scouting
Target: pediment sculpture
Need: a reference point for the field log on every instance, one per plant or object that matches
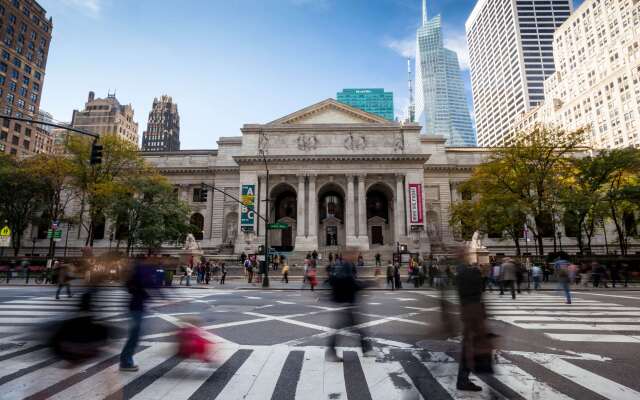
(355, 142)
(306, 142)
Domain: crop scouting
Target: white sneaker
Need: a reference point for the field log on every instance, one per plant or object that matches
(370, 353)
(331, 356)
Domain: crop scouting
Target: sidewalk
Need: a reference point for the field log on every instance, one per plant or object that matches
(295, 283)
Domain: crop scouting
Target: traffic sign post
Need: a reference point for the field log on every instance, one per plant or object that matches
(277, 225)
(5, 236)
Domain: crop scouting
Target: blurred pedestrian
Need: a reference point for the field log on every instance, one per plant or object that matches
(312, 278)
(207, 272)
(378, 260)
(344, 288)
(187, 273)
(626, 274)
(615, 274)
(508, 276)
(396, 276)
(476, 353)
(285, 273)
(248, 267)
(137, 290)
(536, 274)
(390, 276)
(223, 273)
(64, 280)
(564, 281)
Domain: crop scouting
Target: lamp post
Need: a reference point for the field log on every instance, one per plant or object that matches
(66, 237)
(265, 280)
(606, 242)
(33, 244)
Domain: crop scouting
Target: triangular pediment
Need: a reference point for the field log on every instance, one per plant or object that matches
(330, 111)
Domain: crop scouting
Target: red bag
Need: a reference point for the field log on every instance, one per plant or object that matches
(192, 344)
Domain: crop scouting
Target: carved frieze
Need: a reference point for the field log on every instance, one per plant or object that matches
(355, 142)
(307, 142)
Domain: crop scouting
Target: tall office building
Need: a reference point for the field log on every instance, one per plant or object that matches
(441, 105)
(107, 116)
(163, 128)
(374, 101)
(25, 34)
(511, 54)
(597, 80)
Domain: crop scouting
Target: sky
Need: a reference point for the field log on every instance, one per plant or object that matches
(231, 62)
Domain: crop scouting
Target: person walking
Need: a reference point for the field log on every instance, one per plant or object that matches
(390, 276)
(344, 288)
(139, 295)
(223, 273)
(626, 274)
(64, 280)
(285, 273)
(615, 274)
(396, 276)
(508, 277)
(248, 267)
(207, 272)
(584, 274)
(564, 280)
(187, 273)
(476, 352)
(378, 258)
(536, 274)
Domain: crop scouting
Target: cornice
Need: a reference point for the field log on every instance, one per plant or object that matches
(248, 160)
(449, 167)
(196, 170)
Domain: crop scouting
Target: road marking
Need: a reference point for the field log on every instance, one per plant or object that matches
(373, 304)
(561, 307)
(525, 318)
(611, 295)
(252, 297)
(387, 380)
(284, 302)
(311, 375)
(404, 299)
(217, 381)
(587, 327)
(592, 313)
(334, 385)
(265, 383)
(423, 309)
(586, 337)
(289, 376)
(244, 377)
(524, 383)
(183, 380)
(596, 383)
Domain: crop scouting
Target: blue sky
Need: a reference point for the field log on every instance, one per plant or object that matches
(230, 62)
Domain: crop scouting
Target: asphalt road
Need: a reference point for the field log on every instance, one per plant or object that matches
(270, 344)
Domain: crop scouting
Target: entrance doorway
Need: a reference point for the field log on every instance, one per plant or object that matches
(376, 235)
(287, 238)
(332, 236)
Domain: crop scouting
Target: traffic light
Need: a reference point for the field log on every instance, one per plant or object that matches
(96, 154)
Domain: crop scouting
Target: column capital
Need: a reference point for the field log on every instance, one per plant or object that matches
(301, 177)
(361, 174)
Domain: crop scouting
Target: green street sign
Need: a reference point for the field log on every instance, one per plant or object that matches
(49, 233)
(55, 235)
(278, 225)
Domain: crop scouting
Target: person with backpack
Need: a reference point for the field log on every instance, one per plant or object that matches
(344, 288)
(248, 267)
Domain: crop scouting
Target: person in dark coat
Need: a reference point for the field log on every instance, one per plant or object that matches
(508, 277)
(136, 286)
(344, 288)
(476, 352)
(64, 280)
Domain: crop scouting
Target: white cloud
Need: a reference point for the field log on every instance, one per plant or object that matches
(457, 41)
(89, 7)
(404, 47)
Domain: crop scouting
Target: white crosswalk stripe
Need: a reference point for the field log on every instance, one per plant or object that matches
(585, 320)
(16, 315)
(256, 375)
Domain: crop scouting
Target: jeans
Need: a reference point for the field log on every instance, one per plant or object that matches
(60, 286)
(564, 285)
(511, 286)
(536, 282)
(126, 357)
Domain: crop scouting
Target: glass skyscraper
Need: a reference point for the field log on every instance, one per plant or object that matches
(374, 101)
(441, 104)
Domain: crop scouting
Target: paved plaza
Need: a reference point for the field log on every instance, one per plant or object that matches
(270, 344)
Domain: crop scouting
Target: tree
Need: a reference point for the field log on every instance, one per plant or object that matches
(622, 189)
(56, 189)
(151, 211)
(99, 185)
(531, 172)
(20, 197)
(489, 212)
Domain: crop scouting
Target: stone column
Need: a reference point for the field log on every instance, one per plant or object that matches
(398, 215)
(313, 209)
(362, 207)
(350, 223)
(301, 206)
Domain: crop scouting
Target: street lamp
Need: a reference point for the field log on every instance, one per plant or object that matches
(265, 280)
(33, 244)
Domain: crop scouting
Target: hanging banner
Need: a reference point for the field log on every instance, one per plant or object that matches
(415, 204)
(248, 198)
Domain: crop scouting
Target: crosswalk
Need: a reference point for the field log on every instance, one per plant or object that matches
(18, 315)
(584, 320)
(289, 372)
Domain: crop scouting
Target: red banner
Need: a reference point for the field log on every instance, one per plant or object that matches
(416, 214)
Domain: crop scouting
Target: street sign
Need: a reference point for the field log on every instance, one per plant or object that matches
(56, 235)
(277, 225)
(5, 236)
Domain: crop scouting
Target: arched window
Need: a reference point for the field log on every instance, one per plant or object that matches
(197, 221)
